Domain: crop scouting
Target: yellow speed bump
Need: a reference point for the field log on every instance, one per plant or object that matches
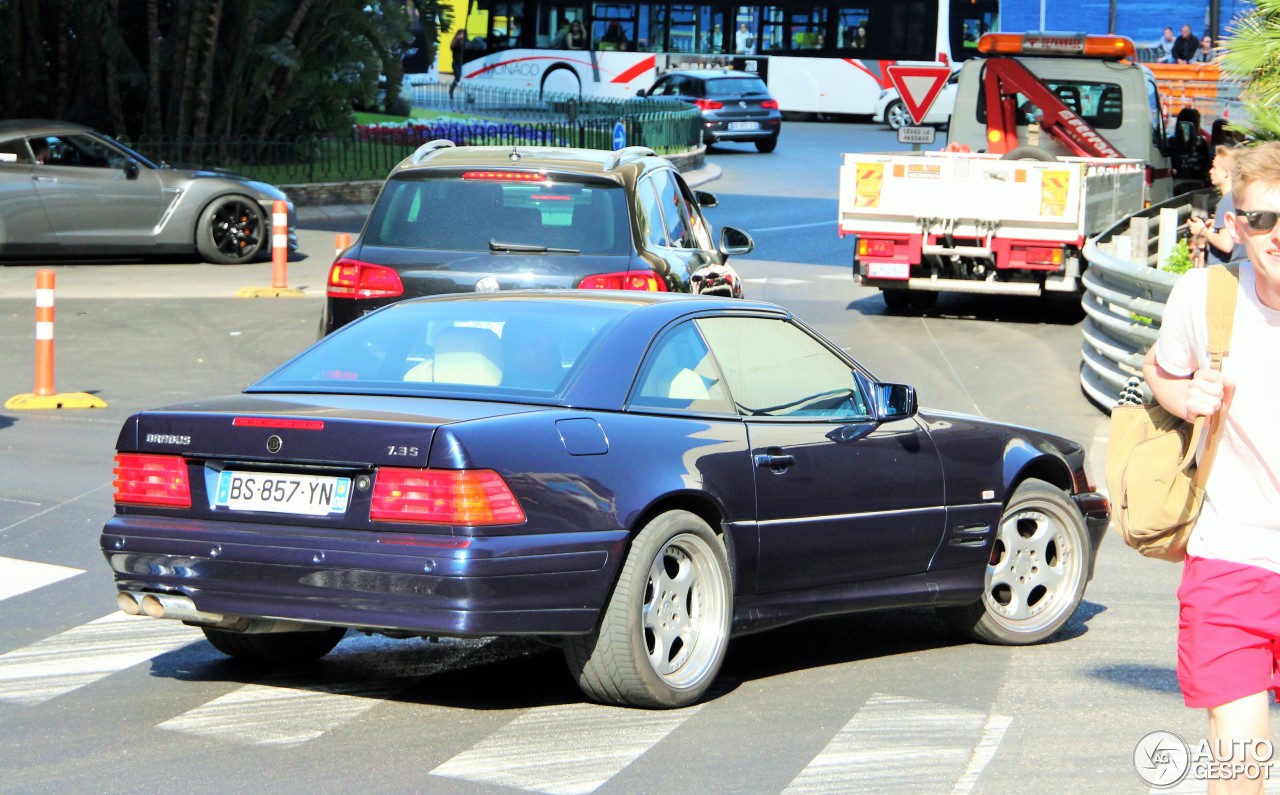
(270, 292)
(61, 400)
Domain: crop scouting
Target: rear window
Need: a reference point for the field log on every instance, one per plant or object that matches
(455, 214)
(736, 87)
(497, 349)
(1099, 104)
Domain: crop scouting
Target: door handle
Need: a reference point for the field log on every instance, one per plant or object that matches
(45, 179)
(778, 463)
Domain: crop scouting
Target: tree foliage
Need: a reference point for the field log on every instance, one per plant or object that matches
(202, 69)
(1251, 56)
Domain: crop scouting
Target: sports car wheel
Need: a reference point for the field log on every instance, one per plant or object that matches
(664, 632)
(897, 116)
(232, 229)
(1037, 573)
(275, 648)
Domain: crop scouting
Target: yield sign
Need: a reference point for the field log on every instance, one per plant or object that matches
(918, 86)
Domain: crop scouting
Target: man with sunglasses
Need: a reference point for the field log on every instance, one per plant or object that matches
(1229, 618)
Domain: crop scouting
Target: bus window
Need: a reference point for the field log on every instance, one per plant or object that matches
(851, 28)
(696, 29)
(613, 26)
(794, 28)
(969, 20)
(653, 22)
(553, 23)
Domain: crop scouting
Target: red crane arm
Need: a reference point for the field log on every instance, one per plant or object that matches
(1002, 80)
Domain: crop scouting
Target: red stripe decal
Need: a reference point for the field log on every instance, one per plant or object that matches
(636, 71)
(881, 79)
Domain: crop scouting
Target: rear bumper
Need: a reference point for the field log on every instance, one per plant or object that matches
(432, 584)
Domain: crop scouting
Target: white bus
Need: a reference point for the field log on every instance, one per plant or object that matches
(819, 56)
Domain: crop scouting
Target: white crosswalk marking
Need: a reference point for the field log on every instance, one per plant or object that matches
(20, 576)
(293, 710)
(564, 750)
(78, 657)
(903, 745)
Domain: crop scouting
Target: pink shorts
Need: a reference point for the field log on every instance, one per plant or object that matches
(1228, 631)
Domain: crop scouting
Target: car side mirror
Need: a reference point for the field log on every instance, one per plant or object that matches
(895, 402)
(641, 94)
(131, 168)
(734, 242)
(706, 199)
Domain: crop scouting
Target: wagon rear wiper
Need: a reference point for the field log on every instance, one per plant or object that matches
(524, 248)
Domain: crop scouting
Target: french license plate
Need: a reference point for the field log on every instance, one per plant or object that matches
(738, 126)
(306, 495)
(888, 270)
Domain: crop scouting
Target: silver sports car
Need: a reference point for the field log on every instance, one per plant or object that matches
(67, 190)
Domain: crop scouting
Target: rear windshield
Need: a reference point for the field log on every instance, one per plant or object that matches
(494, 349)
(1097, 103)
(455, 214)
(736, 87)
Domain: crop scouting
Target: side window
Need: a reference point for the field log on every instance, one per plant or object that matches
(14, 151)
(80, 150)
(699, 229)
(651, 214)
(674, 211)
(680, 375)
(775, 369)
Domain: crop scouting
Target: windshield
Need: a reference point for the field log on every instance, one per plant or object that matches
(736, 87)
(496, 349)
(455, 214)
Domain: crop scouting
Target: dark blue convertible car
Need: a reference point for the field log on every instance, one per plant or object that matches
(633, 476)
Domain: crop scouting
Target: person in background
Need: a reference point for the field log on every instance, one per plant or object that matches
(744, 43)
(1166, 46)
(40, 148)
(614, 38)
(458, 48)
(576, 38)
(1205, 54)
(1229, 613)
(1221, 246)
(1184, 48)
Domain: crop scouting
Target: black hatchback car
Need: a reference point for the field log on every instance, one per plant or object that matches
(487, 218)
(736, 106)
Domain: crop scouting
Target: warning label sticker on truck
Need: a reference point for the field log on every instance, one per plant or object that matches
(919, 171)
(870, 181)
(1053, 192)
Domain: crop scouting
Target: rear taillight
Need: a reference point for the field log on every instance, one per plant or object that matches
(624, 280)
(1043, 255)
(152, 480)
(871, 247)
(708, 104)
(769, 104)
(443, 496)
(350, 278)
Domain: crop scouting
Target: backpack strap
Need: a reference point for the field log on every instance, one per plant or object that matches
(1220, 310)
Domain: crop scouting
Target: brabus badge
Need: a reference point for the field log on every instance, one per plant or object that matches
(742, 104)
(274, 443)
(488, 285)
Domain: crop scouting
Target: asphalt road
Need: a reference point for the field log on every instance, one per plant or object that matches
(881, 702)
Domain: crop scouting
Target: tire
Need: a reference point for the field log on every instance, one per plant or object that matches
(664, 633)
(767, 145)
(232, 229)
(275, 648)
(897, 116)
(1029, 153)
(896, 299)
(922, 299)
(1041, 569)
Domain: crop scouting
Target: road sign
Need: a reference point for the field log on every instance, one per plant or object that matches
(915, 135)
(918, 86)
(619, 135)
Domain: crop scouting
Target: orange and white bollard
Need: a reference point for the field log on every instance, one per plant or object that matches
(279, 244)
(45, 281)
(341, 243)
(44, 396)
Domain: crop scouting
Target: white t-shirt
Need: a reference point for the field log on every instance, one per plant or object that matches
(1241, 517)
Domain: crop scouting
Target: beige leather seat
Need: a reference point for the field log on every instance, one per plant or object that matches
(468, 355)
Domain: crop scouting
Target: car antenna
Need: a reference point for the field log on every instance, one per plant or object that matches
(515, 155)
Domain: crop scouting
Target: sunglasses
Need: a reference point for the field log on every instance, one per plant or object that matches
(1259, 220)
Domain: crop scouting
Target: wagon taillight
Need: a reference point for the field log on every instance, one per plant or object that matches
(443, 496)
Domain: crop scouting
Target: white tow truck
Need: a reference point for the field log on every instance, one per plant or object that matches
(1054, 138)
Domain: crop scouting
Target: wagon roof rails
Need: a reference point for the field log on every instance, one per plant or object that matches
(629, 153)
(429, 147)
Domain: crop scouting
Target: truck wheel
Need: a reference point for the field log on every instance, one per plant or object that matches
(922, 299)
(896, 299)
(1029, 153)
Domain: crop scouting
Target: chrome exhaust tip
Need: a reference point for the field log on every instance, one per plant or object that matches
(127, 601)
